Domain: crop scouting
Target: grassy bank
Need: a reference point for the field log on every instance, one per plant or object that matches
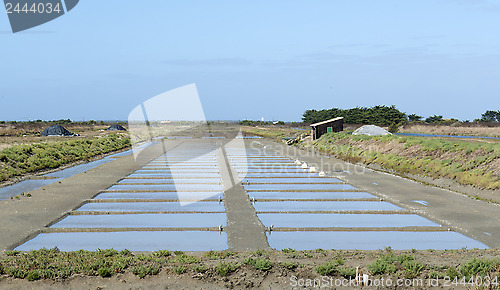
(224, 266)
(464, 130)
(21, 159)
(467, 162)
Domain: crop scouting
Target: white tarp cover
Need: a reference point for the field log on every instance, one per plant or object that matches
(371, 130)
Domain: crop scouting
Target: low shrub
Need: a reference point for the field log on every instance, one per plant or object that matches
(226, 268)
(481, 267)
(290, 265)
(179, 269)
(199, 269)
(142, 271)
(329, 268)
(104, 272)
(383, 265)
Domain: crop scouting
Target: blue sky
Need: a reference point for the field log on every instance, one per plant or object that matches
(253, 59)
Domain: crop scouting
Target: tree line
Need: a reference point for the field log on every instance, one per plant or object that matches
(379, 115)
(385, 116)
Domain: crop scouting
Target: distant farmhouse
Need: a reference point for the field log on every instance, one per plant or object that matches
(332, 125)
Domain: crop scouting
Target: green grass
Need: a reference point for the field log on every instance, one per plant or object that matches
(467, 162)
(347, 272)
(143, 271)
(385, 264)
(479, 267)
(52, 264)
(21, 159)
(329, 268)
(226, 268)
(179, 269)
(259, 263)
(185, 259)
(215, 255)
(290, 265)
(199, 268)
(412, 268)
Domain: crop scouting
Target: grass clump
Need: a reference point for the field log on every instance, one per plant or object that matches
(329, 268)
(12, 253)
(293, 254)
(215, 255)
(412, 268)
(226, 268)
(259, 263)
(347, 272)
(451, 272)
(383, 265)
(125, 252)
(185, 259)
(437, 275)
(481, 267)
(162, 253)
(142, 271)
(104, 272)
(33, 276)
(179, 269)
(199, 268)
(290, 265)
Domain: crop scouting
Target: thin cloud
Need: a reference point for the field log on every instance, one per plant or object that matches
(327, 56)
(235, 61)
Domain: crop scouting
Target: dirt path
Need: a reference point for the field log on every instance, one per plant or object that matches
(245, 232)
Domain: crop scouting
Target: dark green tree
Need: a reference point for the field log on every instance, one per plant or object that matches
(490, 116)
(414, 117)
(434, 119)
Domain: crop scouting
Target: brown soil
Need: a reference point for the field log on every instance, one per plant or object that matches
(246, 276)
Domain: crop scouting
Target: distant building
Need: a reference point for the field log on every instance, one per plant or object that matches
(332, 125)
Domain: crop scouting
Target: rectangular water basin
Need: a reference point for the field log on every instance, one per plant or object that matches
(278, 206)
(273, 170)
(311, 186)
(279, 174)
(177, 220)
(344, 220)
(309, 195)
(371, 240)
(170, 175)
(168, 187)
(171, 180)
(182, 165)
(292, 180)
(202, 206)
(260, 160)
(172, 195)
(264, 165)
(181, 169)
(134, 241)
